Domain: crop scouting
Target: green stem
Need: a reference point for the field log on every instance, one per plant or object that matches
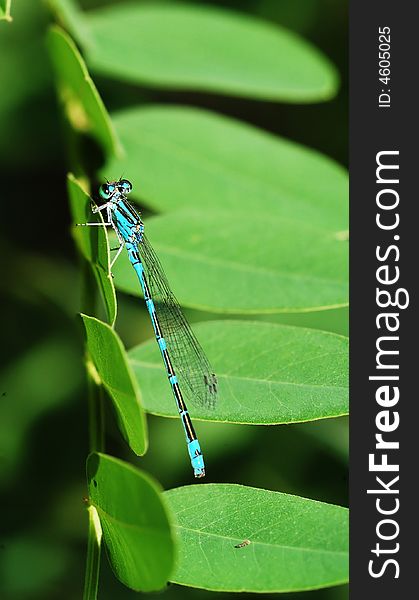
(96, 444)
(91, 580)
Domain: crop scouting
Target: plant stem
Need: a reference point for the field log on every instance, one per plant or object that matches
(94, 539)
(96, 444)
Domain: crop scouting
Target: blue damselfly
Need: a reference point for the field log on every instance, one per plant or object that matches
(188, 370)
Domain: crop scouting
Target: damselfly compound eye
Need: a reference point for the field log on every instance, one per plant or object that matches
(125, 186)
(106, 190)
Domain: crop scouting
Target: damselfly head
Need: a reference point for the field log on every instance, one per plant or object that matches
(108, 189)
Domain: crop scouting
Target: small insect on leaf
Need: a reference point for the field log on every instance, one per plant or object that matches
(243, 544)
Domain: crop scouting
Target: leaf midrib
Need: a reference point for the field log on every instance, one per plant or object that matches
(140, 363)
(279, 546)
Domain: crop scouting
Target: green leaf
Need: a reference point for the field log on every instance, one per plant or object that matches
(210, 161)
(295, 543)
(81, 102)
(69, 15)
(134, 520)
(229, 262)
(114, 373)
(5, 10)
(205, 48)
(267, 374)
(92, 243)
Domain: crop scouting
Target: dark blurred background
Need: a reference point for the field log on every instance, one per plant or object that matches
(43, 414)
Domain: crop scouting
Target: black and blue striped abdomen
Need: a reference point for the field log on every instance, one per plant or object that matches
(194, 449)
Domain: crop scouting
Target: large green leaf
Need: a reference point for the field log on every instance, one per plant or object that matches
(5, 10)
(81, 102)
(92, 243)
(134, 520)
(266, 373)
(295, 543)
(205, 48)
(109, 358)
(186, 157)
(238, 263)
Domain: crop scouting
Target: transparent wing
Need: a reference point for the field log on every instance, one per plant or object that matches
(195, 375)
